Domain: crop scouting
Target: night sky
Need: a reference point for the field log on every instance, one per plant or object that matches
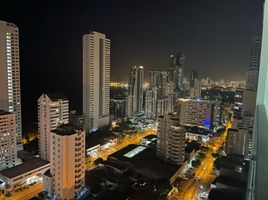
(214, 34)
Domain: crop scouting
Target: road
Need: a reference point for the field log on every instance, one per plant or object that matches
(190, 190)
(26, 194)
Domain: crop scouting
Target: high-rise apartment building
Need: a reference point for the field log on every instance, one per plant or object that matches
(245, 102)
(8, 151)
(195, 86)
(162, 82)
(135, 90)
(118, 108)
(171, 143)
(66, 178)
(53, 110)
(178, 69)
(76, 119)
(239, 142)
(257, 182)
(96, 80)
(252, 74)
(198, 112)
(10, 97)
(151, 103)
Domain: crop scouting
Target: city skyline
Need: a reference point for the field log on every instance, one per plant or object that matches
(137, 100)
(212, 45)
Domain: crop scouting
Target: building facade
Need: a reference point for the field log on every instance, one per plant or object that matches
(53, 110)
(96, 80)
(245, 103)
(67, 165)
(8, 151)
(77, 120)
(239, 141)
(252, 75)
(10, 92)
(135, 90)
(195, 86)
(161, 81)
(197, 112)
(118, 108)
(171, 142)
(151, 103)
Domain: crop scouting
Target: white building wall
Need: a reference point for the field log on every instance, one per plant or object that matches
(10, 97)
(8, 153)
(67, 163)
(96, 80)
(51, 114)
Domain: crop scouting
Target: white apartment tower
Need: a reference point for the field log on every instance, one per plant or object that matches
(53, 110)
(135, 90)
(96, 80)
(171, 144)
(10, 97)
(67, 164)
(8, 152)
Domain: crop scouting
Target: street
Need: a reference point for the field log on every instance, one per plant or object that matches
(190, 191)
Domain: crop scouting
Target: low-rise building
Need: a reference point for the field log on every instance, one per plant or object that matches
(24, 174)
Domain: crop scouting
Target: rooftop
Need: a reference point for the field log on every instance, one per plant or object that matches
(65, 129)
(144, 162)
(23, 168)
(2, 112)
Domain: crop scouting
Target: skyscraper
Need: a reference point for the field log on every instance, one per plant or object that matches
(135, 90)
(96, 80)
(10, 97)
(67, 166)
(259, 165)
(53, 110)
(179, 68)
(252, 74)
(151, 103)
(171, 143)
(8, 151)
(195, 90)
(162, 82)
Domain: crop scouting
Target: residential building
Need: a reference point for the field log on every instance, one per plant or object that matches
(8, 151)
(179, 71)
(118, 108)
(77, 120)
(195, 86)
(10, 91)
(171, 143)
(252, 75)
(199, 112)
(162, 82)
(239, 141)
(245, 102)
(96, 80)
(24, 174)
(135, 90)
(67, 165)
(151, 103)
(257, 187)
(53, 110)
